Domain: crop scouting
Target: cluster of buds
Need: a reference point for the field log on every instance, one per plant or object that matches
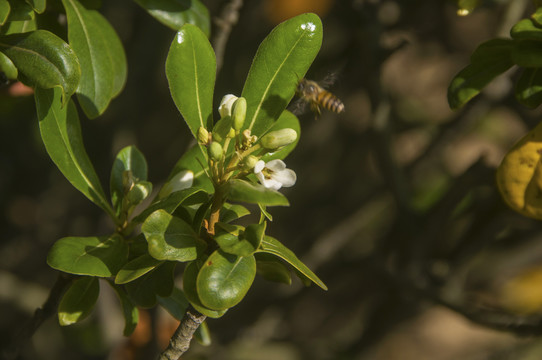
(247, 149)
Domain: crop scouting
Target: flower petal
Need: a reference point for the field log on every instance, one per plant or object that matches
(226, 105)
(276, 165)
(259, 166)
(286, 177)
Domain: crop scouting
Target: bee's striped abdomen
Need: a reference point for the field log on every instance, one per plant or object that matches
(330, 102)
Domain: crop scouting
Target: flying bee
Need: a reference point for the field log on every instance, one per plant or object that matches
(318, 97)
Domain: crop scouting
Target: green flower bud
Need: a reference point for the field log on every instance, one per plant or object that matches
(231, 134)
(215, 151)
(239, 113)
(279, 138)
(139, 192)
(250, 161)
(203, 136)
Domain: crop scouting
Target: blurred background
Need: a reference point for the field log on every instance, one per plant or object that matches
(395, 207)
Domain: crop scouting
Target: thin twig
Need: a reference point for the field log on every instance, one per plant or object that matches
(180, 341)
(48, 309)
(224, 24)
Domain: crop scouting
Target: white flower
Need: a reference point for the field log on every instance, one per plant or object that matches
(182, 180)
(274, 174)
(226, 105)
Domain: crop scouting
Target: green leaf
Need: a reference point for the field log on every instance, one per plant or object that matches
(61, 134)
(102, 58)
(129, 159)
(241, 190)
(18, 27)
(175, 304)
(37, 5)
(526, 53)
(136, 268)
(144, 290)
(78, 301)
(20, 11)
(95, 256)
(526, 29)
(236, 240)
(190, 70)
(171, 238)
(489, 60)
(170, 203)
(203, 335)
(286, 120)
(272, 269)
(273, 246)
(4, 11)
(529, 87)
(537, 16)
(129, 310)
(224, 279)
(281, 60)
(7, 67)
(231, 212)
(175, 13)
(44, 60)
(190, 290)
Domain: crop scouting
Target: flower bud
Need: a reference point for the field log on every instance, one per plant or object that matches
(222, 129)
(180, 181)
(279, 138)
(239, 113)
(215, 151)
(226, 105)
(203, 136)
(250, 161)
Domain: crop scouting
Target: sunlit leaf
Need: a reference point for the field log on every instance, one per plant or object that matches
(281, 60)
(78, 301)
(136, 268)
(241, 190)
(94, 256)
(529, 87)
(190, 290)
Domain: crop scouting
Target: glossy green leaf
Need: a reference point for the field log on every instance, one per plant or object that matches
(171, 238)
(170, 203)
(195, 161)
(37, 5)
(241, 190)
(281, 60)
(273, 246)
(191, 70)
(131, 160)
(272, 269)
(176, 13)
(224, 279)
(529, 87)
(61, 134)
(7, 67)
(145, 289)
(236, 240)
(102, 58)
(489, 60)
(4, 11)
(526, 29)
(175, 304)
(286, 120)
(44, 60)
(18, 27)
(231, 212)
(95, 256)
(190, 290)
(129, 310)
(78, 301)
(136, 268)
(20, 11)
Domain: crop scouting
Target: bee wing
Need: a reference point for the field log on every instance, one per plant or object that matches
(329, 80)
(299, 107)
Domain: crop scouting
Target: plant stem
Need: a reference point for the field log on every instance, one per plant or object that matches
(180, 341)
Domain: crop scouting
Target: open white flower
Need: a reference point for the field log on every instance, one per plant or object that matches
(226, 105)
(274, 174)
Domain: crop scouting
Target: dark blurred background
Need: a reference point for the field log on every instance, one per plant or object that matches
(395, 207)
